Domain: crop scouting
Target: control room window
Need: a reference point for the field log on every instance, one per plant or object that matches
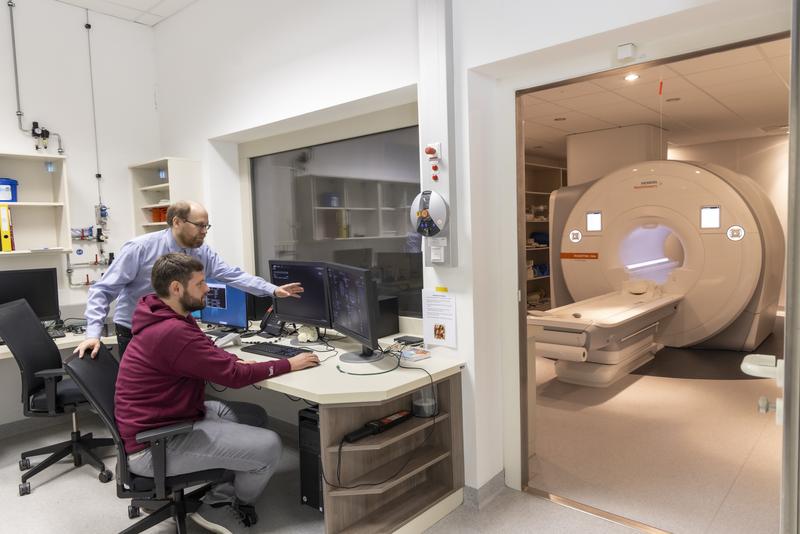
(345, 202)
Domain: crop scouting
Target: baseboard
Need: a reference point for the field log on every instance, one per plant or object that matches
(480, 497)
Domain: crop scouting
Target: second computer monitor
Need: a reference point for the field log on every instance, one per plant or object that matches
(312, 306)
(354, 310)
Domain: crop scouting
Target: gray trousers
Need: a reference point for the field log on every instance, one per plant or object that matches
(232, 437)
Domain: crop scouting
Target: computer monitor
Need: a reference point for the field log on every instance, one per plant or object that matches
(226, 306)
(354, 310)
(312, 307)
(38, 286)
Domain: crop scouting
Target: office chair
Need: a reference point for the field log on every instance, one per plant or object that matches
(97, 380)
(44, 393)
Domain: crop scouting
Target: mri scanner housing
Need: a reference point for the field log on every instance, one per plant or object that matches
(707, 241)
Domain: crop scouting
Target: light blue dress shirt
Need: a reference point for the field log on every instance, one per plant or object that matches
(128, 278)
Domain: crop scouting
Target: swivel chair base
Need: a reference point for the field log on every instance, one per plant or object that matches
(80, 446)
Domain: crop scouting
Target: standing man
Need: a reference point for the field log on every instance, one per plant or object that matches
(128, 278)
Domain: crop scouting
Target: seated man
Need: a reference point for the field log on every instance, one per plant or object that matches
(161, 382)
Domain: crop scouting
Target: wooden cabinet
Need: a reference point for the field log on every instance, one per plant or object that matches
(159, 182)
(41, 214)
(386, 480)
(348, 208)
(540, 181)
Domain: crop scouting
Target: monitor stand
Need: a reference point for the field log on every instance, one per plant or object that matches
(219, 332)
(367, 355)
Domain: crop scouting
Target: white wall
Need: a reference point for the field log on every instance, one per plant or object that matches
(54, 83)
(764, 159)
(231, 67)
(225, 67)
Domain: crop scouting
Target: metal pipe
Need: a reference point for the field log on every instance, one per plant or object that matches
(791, 391)
(11, 5)
(98, 174)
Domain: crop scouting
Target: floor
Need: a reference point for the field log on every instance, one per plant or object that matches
(78, 503)
(687, 455)
(679, 446)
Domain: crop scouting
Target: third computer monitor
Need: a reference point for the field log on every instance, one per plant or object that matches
(353, 297)
(312, 306)
(38, 286)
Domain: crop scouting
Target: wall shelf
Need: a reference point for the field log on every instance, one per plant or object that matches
(55, 250)
(34, 204)
(41, 214)
(157, 187)
(180, 181)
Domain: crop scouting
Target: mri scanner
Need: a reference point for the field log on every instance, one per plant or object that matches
(660, 253)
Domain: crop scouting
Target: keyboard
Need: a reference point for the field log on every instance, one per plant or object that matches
(56, 333)
(273, 350)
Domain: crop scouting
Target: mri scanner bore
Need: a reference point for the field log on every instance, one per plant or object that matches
(660, 253)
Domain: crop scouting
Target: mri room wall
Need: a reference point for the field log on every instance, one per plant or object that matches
(55, 89)
(764, 159)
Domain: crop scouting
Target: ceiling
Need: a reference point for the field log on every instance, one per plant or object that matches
(728, 95)
(147, 12)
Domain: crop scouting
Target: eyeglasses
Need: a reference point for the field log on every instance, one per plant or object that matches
(199, 225)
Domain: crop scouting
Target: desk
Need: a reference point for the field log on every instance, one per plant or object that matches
(418, 465)
(69, 341)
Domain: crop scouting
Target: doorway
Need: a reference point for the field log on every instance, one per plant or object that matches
(677, 445)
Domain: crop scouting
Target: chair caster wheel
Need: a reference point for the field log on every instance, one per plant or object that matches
(105, 476)
(24, 464)
(133, 512)
(24, 489)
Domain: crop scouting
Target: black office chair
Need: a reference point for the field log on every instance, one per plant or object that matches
(97, 380)
(44, 393)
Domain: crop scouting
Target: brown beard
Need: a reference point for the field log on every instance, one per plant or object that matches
(189, 304)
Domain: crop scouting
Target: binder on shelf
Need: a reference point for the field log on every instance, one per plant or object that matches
(6, 229)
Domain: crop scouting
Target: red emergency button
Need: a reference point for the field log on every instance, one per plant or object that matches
(434, 167)
(435, 177)
(430, 150)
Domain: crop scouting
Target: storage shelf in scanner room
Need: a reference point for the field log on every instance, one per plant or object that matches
(312, 307)
(226, 306)
(354, 310)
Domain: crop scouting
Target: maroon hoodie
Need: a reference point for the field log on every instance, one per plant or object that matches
(161, 379)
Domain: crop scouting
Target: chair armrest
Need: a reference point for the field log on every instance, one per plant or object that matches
(164, 432)
(51, 378)
(158, 438)
(51, 373)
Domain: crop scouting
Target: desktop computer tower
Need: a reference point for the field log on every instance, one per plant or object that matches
(388, 311)
(310, 462)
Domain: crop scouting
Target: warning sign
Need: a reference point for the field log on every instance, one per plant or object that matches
(580, 256)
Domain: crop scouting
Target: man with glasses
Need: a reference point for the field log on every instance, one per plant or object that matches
(128, 278)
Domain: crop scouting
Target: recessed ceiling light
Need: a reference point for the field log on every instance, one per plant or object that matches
(674, 99)
(632, 77)
(559, 119)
